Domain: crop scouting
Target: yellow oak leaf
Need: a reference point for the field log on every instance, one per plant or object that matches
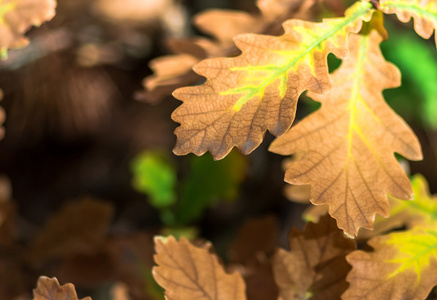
(315, 267)
(418, 211)
(50, 289)
(424, 13)
(402, 266)
(349, 142)
(247, 95)
(189, 272)
(16, 16)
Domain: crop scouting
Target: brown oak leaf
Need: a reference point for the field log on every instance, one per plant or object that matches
(50, 289)
(349, 142)
(315, 267)
(189, 272)
(232, 23)
(78, 228)
(247, 95)
(403, 265)
(16, 17)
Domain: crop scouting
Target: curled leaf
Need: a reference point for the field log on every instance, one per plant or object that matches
(349, 142)
(189, 272)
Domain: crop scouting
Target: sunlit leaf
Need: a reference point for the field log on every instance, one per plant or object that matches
(402, 266)
(189, 272)
(174, 71)
(258, 90)
(349, 142)
(17, 16)
(315, 267)
(424, 13)
(50, 289)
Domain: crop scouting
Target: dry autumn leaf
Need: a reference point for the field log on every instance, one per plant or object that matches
(79, 228)
(189, 52)
(424, 13)
(16, 16)
(50, 289)
(402, 266)
(349, 142)
(315, 267)
(189, 272)
(258, 90)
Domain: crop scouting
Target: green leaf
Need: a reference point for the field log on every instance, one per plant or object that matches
(155, 176)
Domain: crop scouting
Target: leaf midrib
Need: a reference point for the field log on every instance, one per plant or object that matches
(280, 71)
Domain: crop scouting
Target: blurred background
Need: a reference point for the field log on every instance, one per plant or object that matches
(88, 176)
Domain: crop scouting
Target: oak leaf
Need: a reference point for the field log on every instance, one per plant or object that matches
(402, 266)
(424, 13)
(16, 16)
(50, 289)
(189, 52)
(349, 142)
(258, 90)
(78, 228)
(189, 272)
(315, 267)
(418, 211)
